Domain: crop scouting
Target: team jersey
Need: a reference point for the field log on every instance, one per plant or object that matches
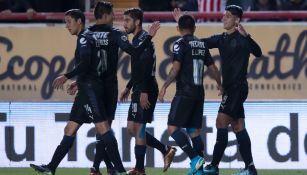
(86, 60)
(143, 66)
(193, 54)
(234, 52)
(108, 40)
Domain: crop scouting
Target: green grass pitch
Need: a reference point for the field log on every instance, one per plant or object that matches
(149, 171)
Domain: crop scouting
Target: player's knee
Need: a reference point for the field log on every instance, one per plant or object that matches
(237, 127)
(171, 129)
(131, 131)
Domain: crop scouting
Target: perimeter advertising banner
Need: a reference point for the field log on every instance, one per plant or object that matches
(30, 132)
(32, 57)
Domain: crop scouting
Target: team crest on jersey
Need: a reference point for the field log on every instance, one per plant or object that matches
(82, 41)
(124, 38)
(176, 47)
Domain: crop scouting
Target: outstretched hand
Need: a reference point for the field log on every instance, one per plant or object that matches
(177, 13)
(59, 82)
(72, 88)
(241, 30)
(152, 29)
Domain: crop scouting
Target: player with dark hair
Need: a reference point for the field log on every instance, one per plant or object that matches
(190, 54)
(109, 40)
(144, 97)
(87, 105)
(235, 46)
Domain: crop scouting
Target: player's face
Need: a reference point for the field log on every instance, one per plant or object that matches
(230, 21)
(72, 25)
(129, 24)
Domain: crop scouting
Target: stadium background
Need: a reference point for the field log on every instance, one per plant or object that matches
(33, 115)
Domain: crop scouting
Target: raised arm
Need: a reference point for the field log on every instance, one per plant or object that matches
(253, 47)
(124, 44)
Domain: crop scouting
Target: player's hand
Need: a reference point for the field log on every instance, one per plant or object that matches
(124, 95)
(59, 82)
(241, 30)
(30, 13)
(72, 88)
(177, 13)
(161, 94)
(144, 102)
(221, 90)
(152, 29)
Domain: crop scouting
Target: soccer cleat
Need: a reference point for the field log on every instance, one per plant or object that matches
(196, 163)
(211, 170)
(93, 171)
(199, 172)
(247, 171)
(169, 156)
(135, 171)
(42, 169)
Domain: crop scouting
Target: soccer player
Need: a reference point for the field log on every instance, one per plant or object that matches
(190, 54)
(88, 105)
(235, 46)
(110, 40)
(144, 96)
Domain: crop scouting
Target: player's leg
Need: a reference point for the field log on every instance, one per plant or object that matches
(96, 107)
(223, 120)
(137, 130)
(111, 96)
(62, 149)
(167, 151)
(180, 114)
(77, 115)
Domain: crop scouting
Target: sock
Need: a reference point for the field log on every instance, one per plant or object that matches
(220, 145)
(61, 151)
(198, 145)
(112, 150)
(182, 141)
(245, 148)
(100, 155)
(140, 151)
(155, 143)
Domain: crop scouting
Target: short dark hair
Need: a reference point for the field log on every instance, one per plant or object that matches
(135, 14)
(235, 10)
(186, 22)
(76, 14)
(101, 8)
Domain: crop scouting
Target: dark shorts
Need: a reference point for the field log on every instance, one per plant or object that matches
(139, 115)
(233, 99)
(88, 104)
(186, 112)
(110, 98)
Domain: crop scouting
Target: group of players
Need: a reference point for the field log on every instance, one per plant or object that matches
(96, 88)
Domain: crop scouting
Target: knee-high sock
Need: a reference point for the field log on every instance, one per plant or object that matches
(155, 143)
(245, 147)
(61, 151)
(182, 141)
(220, 145)
(112, 150)
(100, 155)
(140, 151)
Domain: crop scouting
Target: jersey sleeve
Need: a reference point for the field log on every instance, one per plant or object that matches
(85, 56)
(208, 60)
(178, 51)
(253, 47)
(125, 45)
(212, 42)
